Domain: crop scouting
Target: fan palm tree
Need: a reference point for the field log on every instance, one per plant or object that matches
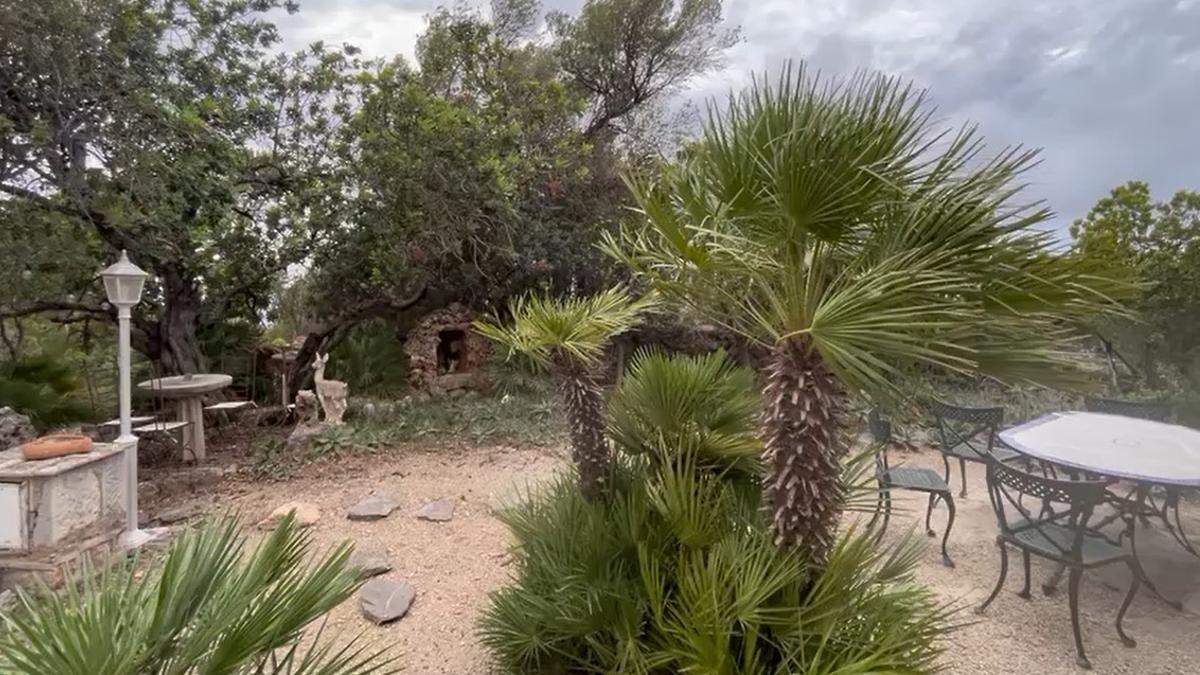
(207, 607)
(567, 335)
(832, 222)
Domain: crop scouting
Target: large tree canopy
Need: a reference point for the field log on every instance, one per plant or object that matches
(170, 130)
(179, 132)
(1157, 243)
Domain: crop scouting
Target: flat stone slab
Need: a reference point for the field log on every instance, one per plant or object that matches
(374, 507)
(175, 515)
(369, 562)
(306, 515)
(385, 600)
(438, 511)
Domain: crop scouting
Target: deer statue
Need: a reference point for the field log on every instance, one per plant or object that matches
(331, 393)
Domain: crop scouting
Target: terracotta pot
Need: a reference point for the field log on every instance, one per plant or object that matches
(56, 445)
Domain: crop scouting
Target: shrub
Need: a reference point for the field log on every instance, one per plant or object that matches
(676, 571)
(208, 607)
(43, 387)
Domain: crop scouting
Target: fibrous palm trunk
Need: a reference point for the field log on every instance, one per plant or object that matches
(803, 449)
(585, 415)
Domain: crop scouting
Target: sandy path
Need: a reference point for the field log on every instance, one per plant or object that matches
(454, 565)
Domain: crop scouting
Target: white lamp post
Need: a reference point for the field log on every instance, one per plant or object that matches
(123, 283)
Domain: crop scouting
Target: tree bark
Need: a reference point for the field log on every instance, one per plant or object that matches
(584, 406)
(177, 341)
(803, 449)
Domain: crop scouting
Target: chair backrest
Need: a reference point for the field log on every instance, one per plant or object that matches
(881, 434)
(1156, 411)
(1076, 500)
(974, 427)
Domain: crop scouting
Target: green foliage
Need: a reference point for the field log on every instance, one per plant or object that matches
(626, 53)
(579, 328)
(837, 214)
(675, 572)
(704, 403)
(378, 426)
(371, 359)
(172, 130)
(1157, 243)
(43, 387)
(677, 575)
(207, 606)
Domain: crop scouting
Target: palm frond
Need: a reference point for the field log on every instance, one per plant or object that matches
(838, 212)
(578, 327)
(207, 607)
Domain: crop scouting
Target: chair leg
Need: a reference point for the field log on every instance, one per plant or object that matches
(1025, 591)
(999, 582)
(949, 526)
(887, 513)
(1134, 584)
(946, 463)
(1074, 578)
(878, 508)
(933, 497)
(962, 465)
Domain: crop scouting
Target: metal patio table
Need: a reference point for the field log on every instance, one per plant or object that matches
(1145, 453)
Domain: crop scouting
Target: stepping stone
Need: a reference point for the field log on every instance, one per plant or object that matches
(438, 511)
(175, 515)
(369, 562)
(383, 600)
(373, 508)
(306, 515)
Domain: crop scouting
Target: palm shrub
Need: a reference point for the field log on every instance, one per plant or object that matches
(207, 607)
(833, 223)
(676, 573)
(704, 403)
(568, 336)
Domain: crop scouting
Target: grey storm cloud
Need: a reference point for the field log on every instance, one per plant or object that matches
(1110, 89)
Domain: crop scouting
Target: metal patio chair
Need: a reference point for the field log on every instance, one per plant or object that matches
(969, 435)
(1156, 411)
(1062, 535)
(914, 478)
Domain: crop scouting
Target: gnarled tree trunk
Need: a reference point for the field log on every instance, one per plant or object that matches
(802, 425)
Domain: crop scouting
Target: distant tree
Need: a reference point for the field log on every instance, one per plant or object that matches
(625, 53)
(1159, 244)
(171, 130)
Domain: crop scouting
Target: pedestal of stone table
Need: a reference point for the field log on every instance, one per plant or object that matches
(188, 391)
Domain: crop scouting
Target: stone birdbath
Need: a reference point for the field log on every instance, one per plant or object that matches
(187, 391)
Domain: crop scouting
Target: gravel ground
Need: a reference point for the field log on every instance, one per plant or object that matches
(454, 565)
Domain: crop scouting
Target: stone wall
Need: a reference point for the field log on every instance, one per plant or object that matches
(68, 499)
(426, 372)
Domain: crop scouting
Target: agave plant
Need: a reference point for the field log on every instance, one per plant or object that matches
(833, 223)
(568, 335)
(208, 607)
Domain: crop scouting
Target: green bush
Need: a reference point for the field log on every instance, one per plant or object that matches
(207, 607)
(371, 360)
(676, 572)
(45, 388)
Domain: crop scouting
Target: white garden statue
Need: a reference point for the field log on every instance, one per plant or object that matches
(331, 393)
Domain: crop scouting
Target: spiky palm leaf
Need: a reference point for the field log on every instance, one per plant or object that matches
(208, 607)
(704, 402)
(831, 221)
(568, 336)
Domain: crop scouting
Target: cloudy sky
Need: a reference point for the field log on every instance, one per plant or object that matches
(1109, 88)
